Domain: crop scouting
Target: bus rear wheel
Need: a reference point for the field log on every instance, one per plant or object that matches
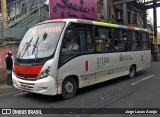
(132, 71)
(68, 88)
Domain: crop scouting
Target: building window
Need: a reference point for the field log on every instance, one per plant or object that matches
(134, 19)
(119, 15)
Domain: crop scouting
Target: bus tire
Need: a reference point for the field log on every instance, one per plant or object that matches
(68, 88)
(132, 71)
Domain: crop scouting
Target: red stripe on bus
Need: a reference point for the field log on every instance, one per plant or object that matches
(86, 65)
(130, 28)
(27, 69)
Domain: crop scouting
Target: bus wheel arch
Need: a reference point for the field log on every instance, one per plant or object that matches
(132, 71)
(69, 86)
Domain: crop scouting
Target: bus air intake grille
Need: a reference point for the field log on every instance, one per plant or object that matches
(26, 86)
(27, 75)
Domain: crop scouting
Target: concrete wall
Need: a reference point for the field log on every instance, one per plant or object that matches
(14, 33)
(11, 33)
(3, 53)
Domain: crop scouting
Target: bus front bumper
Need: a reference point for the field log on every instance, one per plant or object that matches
(45, 86)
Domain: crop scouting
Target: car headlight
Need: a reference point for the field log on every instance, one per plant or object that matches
(44, 73)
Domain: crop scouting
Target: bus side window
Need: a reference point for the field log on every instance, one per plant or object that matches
(137, 36)
(120, 39)
(66, 40)
(89, 41)
(70, 45)
(99, 45)
(98, 42)
(144, 41)
(102, 34)
(138, 46)
(131, 40)
(109, 35)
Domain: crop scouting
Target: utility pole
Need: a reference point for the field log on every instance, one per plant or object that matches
(155, 25)
(4, 13)
(106, 10)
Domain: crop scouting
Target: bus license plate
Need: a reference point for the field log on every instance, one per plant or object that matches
(26, 87)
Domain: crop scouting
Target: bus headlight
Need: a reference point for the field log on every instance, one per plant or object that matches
(44, 73)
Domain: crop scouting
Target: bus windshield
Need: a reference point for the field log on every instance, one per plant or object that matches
(40, 41)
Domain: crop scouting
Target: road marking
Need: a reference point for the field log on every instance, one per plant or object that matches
(142, 80)
(20, 93)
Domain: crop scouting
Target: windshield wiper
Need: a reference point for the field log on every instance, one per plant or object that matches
(27, 44)
(37, 44)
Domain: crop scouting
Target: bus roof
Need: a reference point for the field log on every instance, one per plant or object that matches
(95, 23)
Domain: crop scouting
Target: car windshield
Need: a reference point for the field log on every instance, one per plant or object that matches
(40, 41)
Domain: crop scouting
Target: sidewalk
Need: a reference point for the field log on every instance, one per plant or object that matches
(4, 88)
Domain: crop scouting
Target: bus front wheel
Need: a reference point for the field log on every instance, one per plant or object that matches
(68, 88)
(132, 71)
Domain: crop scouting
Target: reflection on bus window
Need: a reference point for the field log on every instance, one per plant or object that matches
(103, 36)
(89, 41)
(144, 41)
(120, 39)
(71, 42)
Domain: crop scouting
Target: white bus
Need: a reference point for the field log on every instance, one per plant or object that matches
(63, 55)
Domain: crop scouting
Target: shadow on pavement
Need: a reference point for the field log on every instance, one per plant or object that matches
(52, 99)
(4, 88)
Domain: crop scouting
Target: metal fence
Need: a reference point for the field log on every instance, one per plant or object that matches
(20, 20)
(20, 10)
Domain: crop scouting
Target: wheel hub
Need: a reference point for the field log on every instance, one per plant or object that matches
(69, 87)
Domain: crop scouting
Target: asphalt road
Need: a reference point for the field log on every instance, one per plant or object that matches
(143, 91)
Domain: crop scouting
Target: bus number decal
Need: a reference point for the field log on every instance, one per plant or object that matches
(102, 61)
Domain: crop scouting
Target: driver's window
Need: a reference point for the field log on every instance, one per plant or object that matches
(71, 42)
(71, 45)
